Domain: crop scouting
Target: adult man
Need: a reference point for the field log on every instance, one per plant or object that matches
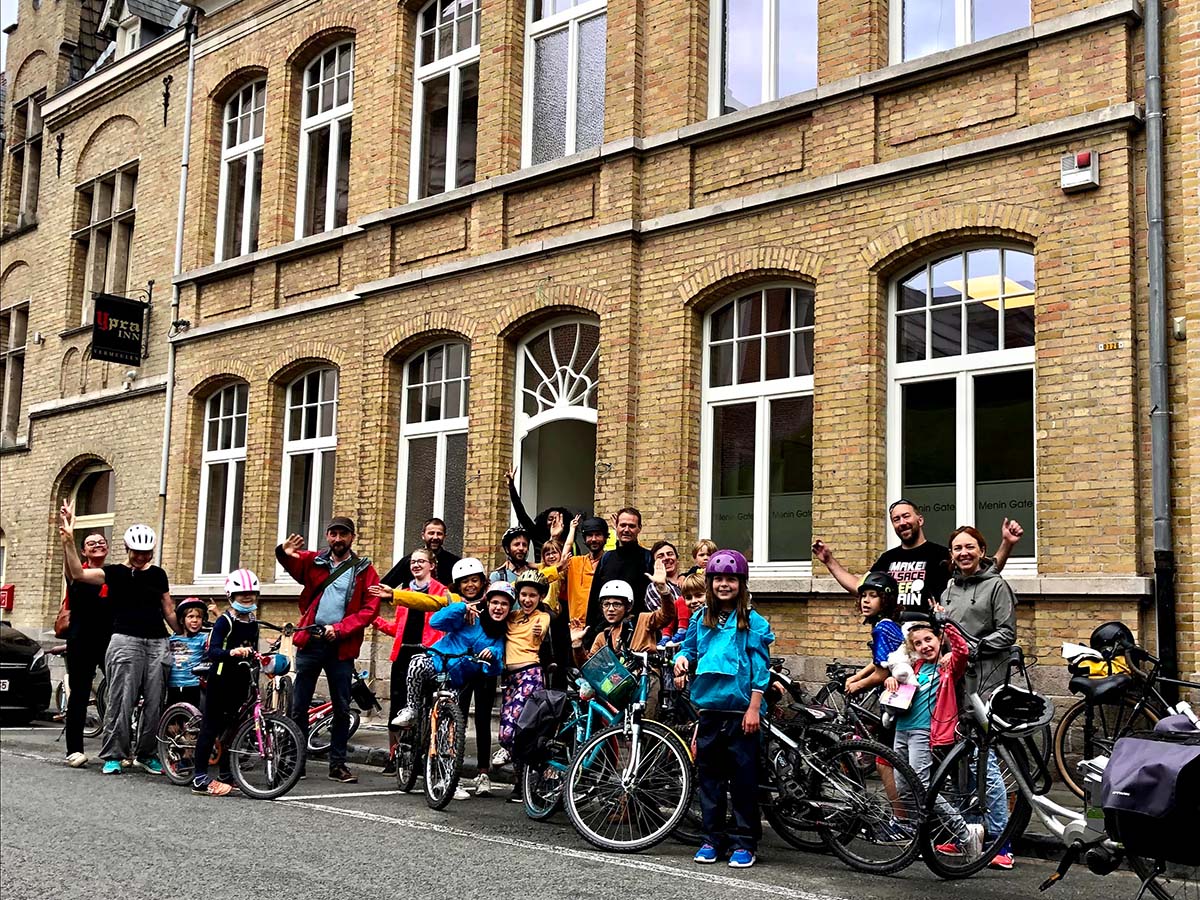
(336, 596)
(515, 544)
(629, 561)
(664, 587)
(920, 567)
(581, 569)
(433, 535)
(137, 660)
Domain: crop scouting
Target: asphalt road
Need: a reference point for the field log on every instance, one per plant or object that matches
(76, 834)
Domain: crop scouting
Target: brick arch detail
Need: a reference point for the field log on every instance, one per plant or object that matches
(231, 370)
(288, 364)
(742, 267)
(950, 225)
(35, 72)
(71, 466)
(404, 340)
(110, 143)
(331, 28)
(523, 315)
(16, 281)
(239, 74)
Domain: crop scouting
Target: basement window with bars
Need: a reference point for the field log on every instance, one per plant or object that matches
(922, 27)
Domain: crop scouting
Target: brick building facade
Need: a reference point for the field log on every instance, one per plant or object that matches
(753, 267)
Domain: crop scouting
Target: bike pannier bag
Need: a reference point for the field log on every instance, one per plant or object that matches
(1151, 796)
(612, 681)
(537, 725)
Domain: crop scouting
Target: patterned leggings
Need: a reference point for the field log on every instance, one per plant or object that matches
(517, 688)
(420, 673)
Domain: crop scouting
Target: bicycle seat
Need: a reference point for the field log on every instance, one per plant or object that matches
(1100, 690)
(812, 713)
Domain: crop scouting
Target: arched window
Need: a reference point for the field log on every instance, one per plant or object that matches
(961, 403)
(222, 475)
(921, 27)
(756, 431)
(309, 451)
(446, 102)
(765, 49)
(433, 445)
(241, 172)
(327, 106)
(94, 496)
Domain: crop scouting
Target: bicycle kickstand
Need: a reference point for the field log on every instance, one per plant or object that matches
(1159, 868)
(1069, 859)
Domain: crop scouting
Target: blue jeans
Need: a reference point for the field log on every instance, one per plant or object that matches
(338, 673)
(997, 798)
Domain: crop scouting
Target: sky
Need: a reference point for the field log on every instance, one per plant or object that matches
(8, 15)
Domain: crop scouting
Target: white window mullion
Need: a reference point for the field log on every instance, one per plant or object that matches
(230, 505)
(439, 480)
(572, 85)
(762, 480)
(302, 184)
(716, 64)
(418, 151)
(964, 25)
(770, 48)
(202, 517)
(314, 493)
(222, 199)
(248, 202)
(335, 148)
(452, 112)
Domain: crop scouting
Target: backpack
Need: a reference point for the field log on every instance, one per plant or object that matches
(537, 725)
(1151, 794)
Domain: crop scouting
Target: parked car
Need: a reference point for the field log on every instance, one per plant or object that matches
(24, 676)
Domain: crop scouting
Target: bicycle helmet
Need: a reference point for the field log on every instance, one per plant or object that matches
(727, 562)
(241, 581)
(619, 589)
(501, 587)
(532, 577)
(1015, 710)
(514, 532)
(276, 664)
(187, 604)
(139, 537)
(882, 582)
(465, 567)
(593, 524)
(1112, 639)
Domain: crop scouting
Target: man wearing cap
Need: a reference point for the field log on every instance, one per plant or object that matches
(921, 568)
(337, 597)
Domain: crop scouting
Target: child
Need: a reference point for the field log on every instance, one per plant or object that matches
(701, 551)
(930, 722)
(234, 637)
(467, 630)
(187, 650)
(554, 566)
(727, 646)
(692, 598)
(877, 595)
(528, 626)
(410, 628)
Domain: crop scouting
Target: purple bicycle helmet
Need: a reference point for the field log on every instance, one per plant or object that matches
(727, 562)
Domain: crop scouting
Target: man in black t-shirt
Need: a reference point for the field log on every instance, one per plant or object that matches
(920, 567)
(433, 536)
(137, 661)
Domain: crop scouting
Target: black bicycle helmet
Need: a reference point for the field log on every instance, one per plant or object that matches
(512, 533)
(1015, 710)
(1112, 639)
(882, 582)
(593, 524)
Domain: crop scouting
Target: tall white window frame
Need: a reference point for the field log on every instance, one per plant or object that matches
(222, 474)
(97, 512)
(327, 112)
(970, 24)
(433, 429)
(545, 18)
(309, 433)
(447, 48)
(240, 193)
(1007, 293)
(769, 54)
(14, 334)
(777, 380)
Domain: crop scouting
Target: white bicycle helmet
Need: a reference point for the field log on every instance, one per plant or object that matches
(464, 567)
(242, 581)
(619, 589)
(139, 537)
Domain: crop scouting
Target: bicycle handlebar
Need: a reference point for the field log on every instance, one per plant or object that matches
(448, 656)
(288, 629)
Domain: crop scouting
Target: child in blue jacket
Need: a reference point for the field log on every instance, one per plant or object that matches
(727, 646)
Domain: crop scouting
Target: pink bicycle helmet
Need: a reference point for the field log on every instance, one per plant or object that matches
(727, 562)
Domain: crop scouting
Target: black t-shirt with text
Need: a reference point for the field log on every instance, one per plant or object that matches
(136, 598)
(921, 572)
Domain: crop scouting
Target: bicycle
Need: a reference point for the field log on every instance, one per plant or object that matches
(1110, 708)
(439, 735)
(94, 722)
(320, 719)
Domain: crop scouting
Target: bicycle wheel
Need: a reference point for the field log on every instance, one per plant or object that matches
(627, 796)
(542, 785)
(443, 762)
(1076, 739)
(266, 762)
(93, 724)
(866, 827)
(408, 756)
(957, 797)
(177, 732)
(788, 812)
(283, 694)
(1177, 881)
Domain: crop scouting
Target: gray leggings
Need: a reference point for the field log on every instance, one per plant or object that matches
(914, 746)
(134, 667)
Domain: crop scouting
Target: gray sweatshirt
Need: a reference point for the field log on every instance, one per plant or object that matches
(985, 606)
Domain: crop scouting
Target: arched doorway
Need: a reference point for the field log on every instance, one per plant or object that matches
(554, 428)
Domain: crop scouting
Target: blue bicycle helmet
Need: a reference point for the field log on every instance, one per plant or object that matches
(276, 664)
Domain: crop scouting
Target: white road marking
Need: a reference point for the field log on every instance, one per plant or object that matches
(341, 795)
(607, 859)
(38, 756)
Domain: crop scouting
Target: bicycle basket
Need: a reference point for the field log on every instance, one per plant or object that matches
(612, 681)
(1016, 710)
(1150, 794)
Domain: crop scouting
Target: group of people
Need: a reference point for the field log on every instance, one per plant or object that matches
(511, 631)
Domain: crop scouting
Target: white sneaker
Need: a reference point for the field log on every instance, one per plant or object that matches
(973, 845)
(405, 718)
(77, 760)
(501, 757)
(483, 786)
(460, 793)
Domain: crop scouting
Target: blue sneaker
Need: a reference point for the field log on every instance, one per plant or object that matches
(706, 854)
(111, 767)
(742, 859)
(151, 766)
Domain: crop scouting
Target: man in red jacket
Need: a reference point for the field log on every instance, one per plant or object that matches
(336, 595)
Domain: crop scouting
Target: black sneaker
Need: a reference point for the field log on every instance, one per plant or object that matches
(389, 767)
(342, 774)
(516, 796)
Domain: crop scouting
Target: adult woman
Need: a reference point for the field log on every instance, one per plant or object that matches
(87, 641)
